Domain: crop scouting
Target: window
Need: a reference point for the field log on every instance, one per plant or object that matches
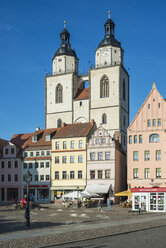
(158, 105)
(92, 174)
(159, 122)
(37, 154)
(64, 174)
(6, 151)
(2, 178)
(9, 178)
(154, 138)
(135, 173)
(72, 159)
(2, 164)
(57, 160)
(80, 159)
(56, 174)
(64, 145)
(57, 145)
(96, 141)
(47, 137)
(140, 139)
(41, 177)
(34, 138)
(103, 140)
(15, 164)
(135, 139)
(80, 144)
(9, 164)
(148, 123)
(36, 178)
(124, 90)
(158, 155)
(148, 106)
(147, 155)
(47, 177)
(30, 165)
(59, 123)
(158, 172)
(16, 177)
(41, 164)
(100, 156)
(130, 139)
(59, 93)
(64, 159)
(31, 154)
(154, 122)
(72, 144)
(107, 174)
(147, 173)
(92, 156)
(104, 87)
(71, 174)
(42, 153)
(36, 165)
(25, 154)
(80, 104)
(12, 150)
(104, 119)
(25, 166)
(107, 155)
(135, 155)
(48, 153)
(100, 174)
(47, 164)
(79, 174)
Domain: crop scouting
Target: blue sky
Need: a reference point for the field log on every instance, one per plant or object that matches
(29, 37)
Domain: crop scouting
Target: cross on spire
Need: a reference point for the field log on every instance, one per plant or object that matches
(64, 24)
(109, 14)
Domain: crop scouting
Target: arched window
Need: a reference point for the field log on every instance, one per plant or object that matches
(104, 87)
(59, 93)
(59, 123)
(124, 90)
(154, 138)
(104, 119)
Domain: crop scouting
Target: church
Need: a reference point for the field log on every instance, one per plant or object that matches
(106, 100)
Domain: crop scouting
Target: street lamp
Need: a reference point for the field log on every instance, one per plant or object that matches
(28, 179)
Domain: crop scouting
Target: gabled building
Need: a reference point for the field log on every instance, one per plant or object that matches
(146, 160)
(10, 170)
(106, 164)
(69, 148)
(37, 159)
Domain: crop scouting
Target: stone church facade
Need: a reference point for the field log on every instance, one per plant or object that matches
(107, 98)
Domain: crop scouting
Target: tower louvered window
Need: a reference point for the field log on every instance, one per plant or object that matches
(104, 87)
(59, 93)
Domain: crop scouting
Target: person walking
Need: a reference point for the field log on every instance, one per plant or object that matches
(109, 204)
(99, 205)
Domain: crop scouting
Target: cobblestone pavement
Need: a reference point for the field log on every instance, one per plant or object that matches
(55, 224)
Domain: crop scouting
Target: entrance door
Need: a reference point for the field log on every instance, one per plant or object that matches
(140, 202)
(157, 202)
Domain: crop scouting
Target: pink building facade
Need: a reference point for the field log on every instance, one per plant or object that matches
(146, 160)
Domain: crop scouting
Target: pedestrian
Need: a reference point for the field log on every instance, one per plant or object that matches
(99, 205)
(109, 204)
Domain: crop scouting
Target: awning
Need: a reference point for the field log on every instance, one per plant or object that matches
(124, 193)
(98, 188)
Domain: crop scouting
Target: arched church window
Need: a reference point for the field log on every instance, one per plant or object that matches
(59, 93)
(124, 90)
(104, 119)
(104, 87)
(59, 123)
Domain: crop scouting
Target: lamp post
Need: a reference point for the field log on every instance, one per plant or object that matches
(28, 179)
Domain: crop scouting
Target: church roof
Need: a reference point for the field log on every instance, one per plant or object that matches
(82, 94)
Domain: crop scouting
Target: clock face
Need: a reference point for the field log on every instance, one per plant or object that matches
(105, 52)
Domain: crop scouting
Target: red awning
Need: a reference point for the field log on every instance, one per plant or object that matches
(158, 189)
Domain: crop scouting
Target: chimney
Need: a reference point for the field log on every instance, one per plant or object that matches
(92, 122)
(38, 129)
(63, 124)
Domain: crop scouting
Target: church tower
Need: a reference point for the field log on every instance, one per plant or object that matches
(109, 85)
(62, 85)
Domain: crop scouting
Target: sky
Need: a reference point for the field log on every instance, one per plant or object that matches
(30, 35)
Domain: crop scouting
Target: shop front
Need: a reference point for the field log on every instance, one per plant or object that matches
(38, 193)
(149, 199)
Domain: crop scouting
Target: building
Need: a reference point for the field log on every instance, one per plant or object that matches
(107, 98)
(10, 170)
(37, 159)
(106, 164)
(146, 162)
(68, 171)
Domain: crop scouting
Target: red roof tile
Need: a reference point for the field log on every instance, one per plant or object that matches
(82, 94)
(2, 144)
(20, 139)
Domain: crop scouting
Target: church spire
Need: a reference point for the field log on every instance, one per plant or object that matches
(65, 37)
(109, 26)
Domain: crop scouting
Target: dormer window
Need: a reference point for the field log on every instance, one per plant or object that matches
(47, 137)
(34, 138)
